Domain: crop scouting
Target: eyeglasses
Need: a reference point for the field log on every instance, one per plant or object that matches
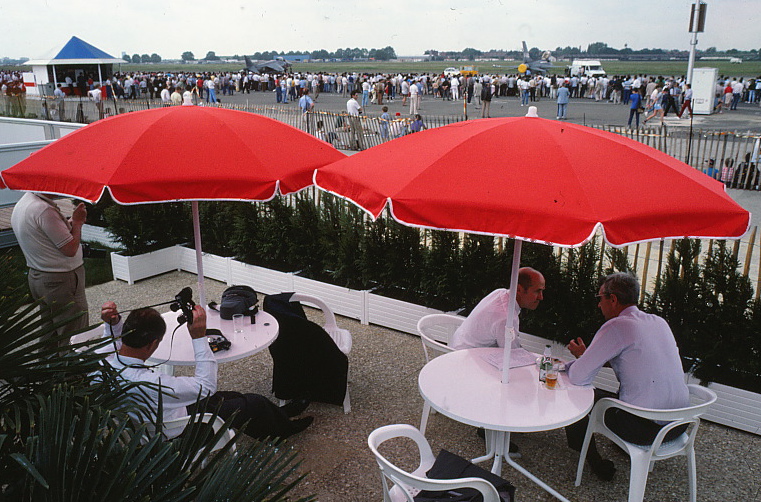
(604, 294)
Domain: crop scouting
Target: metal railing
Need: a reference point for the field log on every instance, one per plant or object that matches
(731, 157)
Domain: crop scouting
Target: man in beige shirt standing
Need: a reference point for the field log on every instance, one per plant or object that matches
(51, 244)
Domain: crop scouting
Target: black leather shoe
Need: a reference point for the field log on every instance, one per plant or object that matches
(603, 469)
(295, 408)
(300, 424)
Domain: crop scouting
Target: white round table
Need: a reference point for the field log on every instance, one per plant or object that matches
(463, 386)
(178, 351)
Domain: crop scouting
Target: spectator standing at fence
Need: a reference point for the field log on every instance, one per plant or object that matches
(737, 93)
(385, 118)
(211, 92)
(712, 171)
(355, 125)
(728, 95)
(51, 246)
(380, 88)
(524, 89)
(486, 100)
(306, 104)
(417, 125)
(728, 171)
(478, 88)
(96, 95)
(60, 101)
(365, 93)
(563, 97)
(405, 91)
(176, 97)
(414, 98)
(166, 96)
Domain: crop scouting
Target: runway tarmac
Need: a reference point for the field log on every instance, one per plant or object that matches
(580, 110)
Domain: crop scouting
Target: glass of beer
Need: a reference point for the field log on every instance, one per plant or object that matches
(552, 377)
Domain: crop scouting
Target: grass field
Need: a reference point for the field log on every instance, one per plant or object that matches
(667, 68)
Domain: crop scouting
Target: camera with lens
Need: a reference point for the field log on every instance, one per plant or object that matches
(184, 301)
(217, 340)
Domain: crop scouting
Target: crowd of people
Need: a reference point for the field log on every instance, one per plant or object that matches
(659, 95)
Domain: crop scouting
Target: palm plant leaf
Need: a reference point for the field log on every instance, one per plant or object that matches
(265, 471)
(78, 454)
(66, 432)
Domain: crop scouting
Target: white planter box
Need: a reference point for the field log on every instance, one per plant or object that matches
(100, 235)
(395, 314)
(135, 268)
(344, 301)
(735, 408)
(263, 280)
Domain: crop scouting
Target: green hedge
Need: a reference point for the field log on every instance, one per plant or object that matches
(708, 304)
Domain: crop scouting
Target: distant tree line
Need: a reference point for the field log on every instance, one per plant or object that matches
(144, 58)
(347, 54)
(596, 49)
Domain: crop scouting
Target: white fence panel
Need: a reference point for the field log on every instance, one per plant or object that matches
(343, 301)
(263, 280)
(135, 268)
(396, 314)
(216, 267)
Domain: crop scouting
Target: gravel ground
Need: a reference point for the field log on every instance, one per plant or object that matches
(383, 385)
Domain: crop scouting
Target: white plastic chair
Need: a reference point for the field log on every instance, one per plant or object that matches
(643, 457)
(173, 428)
(340, 336)
(435, 332)
(405, 484)
(90, 334)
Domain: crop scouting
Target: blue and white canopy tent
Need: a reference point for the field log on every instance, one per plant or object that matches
(76, 56)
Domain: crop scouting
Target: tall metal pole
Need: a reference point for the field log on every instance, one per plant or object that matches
(697, 22)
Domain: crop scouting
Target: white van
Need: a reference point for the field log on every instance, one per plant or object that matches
(588, 67)
(451, 72)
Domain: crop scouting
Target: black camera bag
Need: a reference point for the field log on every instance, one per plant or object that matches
(238, 300)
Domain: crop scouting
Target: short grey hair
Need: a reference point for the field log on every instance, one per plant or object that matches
(624, 285)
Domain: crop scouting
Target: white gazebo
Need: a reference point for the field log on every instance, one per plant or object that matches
(77, 59)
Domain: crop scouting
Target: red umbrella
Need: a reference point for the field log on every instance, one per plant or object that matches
(176, 154)
(536, 180)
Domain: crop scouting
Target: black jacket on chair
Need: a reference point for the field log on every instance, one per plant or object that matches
(307, 362)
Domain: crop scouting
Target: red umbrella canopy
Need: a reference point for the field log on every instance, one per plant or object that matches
(176, 153)
(537, 180)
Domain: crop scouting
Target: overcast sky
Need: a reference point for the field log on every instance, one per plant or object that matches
(32, 28)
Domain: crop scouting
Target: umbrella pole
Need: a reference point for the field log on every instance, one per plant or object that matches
(509, 330)
(199, 252)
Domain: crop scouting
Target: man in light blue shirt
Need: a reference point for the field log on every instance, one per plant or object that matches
(563, 97)
(642, 351)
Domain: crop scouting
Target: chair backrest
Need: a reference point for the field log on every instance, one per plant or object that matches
(436, 332)
(406, 484)
(701, 397)
(173, 428)
(341, 336)
(90, 334)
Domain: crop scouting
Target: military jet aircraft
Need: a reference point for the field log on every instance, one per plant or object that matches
(534, 66)
(277, 65)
